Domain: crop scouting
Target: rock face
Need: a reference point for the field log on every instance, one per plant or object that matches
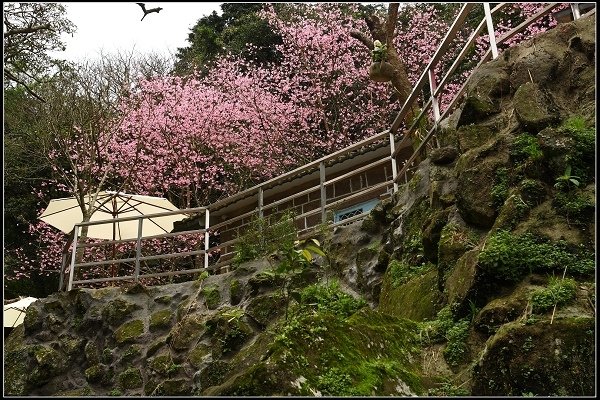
(475, 278)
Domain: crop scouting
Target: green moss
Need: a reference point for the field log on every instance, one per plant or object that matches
(95, 373)
(131, 378)
(509, 257)
(558, 292)
(263, 309)
(214, 373)
(212, 296)
(166, 299)
(161, 319)
(118, 310)
(417, 299)
(228, 332)
(154, 346)
(129, 331)
(131, 353)
(163, 365)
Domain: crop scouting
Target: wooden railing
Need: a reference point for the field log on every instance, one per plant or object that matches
(398, 137)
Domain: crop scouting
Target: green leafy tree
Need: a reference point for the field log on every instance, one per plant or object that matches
(239, 30)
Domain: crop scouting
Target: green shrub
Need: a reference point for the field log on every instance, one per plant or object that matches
(265, 236)
(582, 156)
(455, 351)
(400, 272)
(330, 298)
(509, 257)
(558, 291)
(335, 383)
(574, 206)
(500, 188)
(525, 147)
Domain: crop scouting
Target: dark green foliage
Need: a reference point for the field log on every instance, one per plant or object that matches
(582, 156)
(401, 272)
(329, 298)
(532, 191)
(577, 207)
(509, 257)
(238, 28)
(500, 188)
(525, 147)
(335, 383)
(456, 349)
(559, 292)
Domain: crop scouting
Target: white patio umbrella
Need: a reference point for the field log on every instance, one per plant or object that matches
(65, 213)
(14, 313)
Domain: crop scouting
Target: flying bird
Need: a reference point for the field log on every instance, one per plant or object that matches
(146, 12)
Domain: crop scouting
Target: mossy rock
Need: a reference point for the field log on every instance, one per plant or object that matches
(197, 354)
(17, 361)
(262, 283)
(48, 363)
(503, 309)
(540, 358)
(161, 364)
(174, 387)
(264, 309)
(155, 346)
(369, 225)
(33, 319)
(534, 108)
(92, 354)
(160, 320)
(96, 373)
(471, 136)
(228, 333)
(186, 331)
(444, 155)
(462, 281)
(474, 193)
(236, 292)
(132, 352)
(212, 374)
(454, 241)
(372, 349)
(212, 296)
(432, 231)
(118, 310)
(79, 392)
(129, 331)
(72, 346)
(418, 299)
(131, 378)
(166, 299)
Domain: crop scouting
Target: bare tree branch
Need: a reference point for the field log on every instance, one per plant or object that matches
(31, 29)
(20, 82)
(364, 39)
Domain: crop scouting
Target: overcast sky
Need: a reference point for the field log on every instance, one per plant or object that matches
(117, 26)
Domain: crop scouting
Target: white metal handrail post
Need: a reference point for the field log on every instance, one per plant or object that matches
(323, 192)
(575, 11)
(74, 255)
(260, 202)
(490, 27)
(138, 250)
(393, 158)
(206, 236)
(434, 99)
(63, 265)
